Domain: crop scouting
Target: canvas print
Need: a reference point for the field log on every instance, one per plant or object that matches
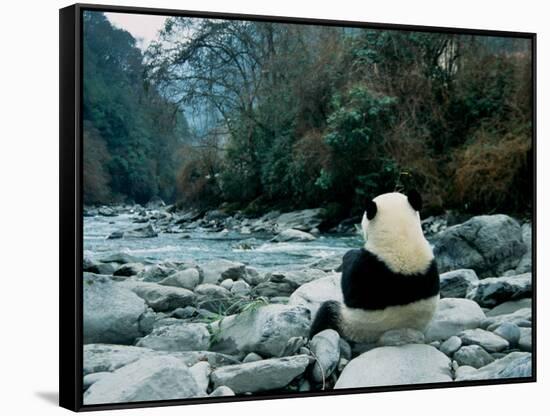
(285, 208)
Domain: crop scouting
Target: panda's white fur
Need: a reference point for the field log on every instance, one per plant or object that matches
(394, 235)
(367, 326)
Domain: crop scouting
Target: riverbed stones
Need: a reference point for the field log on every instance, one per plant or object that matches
(162, 298)
(111, 312)
(128, 269)
(187, 279)
(177, 337)
(270, 374)
(490, 341)
(146, 231)
(510, 306)
(492, 291)
(489, 244)
(510, 332)
(157, 378)
(525, 342)
(313, 294)
(455, 284)
(521, 317)
(451, 345)
(452, 316)
(121, 258)
(473, 356)
(391, 366)
(326, 351)
(222, 391)
(264, 330)
(215, 271)
(513, 365)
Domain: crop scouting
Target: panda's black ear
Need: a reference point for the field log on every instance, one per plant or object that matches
(370, 208)
(414, 199)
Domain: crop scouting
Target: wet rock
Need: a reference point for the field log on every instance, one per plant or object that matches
(111, 312)
(526, 339)
(391, 366)
(177, 337)
(452, 316)
(128, 269)
(451, 345)
(264, 330)
(215, 271)
(510, 307)
(495, 290)
(328, 264)
(326, 351)
(270, 374)
(162, 298)
(455, 284)
(187, 279)
(488, 244)
(146, 231)
(488, 340)
(121, 258)
(473, 356)
(514, 365)
(303, 220)
(157, 378)
(313, 294)
(510, 332)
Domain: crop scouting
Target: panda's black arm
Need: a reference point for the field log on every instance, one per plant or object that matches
(355, 270)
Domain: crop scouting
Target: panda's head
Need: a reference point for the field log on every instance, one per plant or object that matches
(392, 230)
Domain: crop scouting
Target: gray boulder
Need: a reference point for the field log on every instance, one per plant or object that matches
(187, 279)
(158, 378)
(112, 313)
(240, 288)
(162, 298)
(273, 288)
(90, 379)
(453, 316)
(489, 244)
(201, 372)
(313, 294)
(450, 346)
(510, 332)
(525, 342)
(156, 273)
(455, 284)
(264, 330)
(146, 231)
(325, 347)
(303, 220)
(510, 307)
(397, 337)
(521, 318)
(492, 291)
(108, 357)
(121, 258)
(514, 365)
(128, 269)
(392, 366)
(254, 277)
(177, 337)
(488, 340)
(526, 263)
(263, 375)
(215, 271)
(473, 356)
(293, 235)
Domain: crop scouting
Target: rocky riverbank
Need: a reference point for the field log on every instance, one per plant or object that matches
(173, 328)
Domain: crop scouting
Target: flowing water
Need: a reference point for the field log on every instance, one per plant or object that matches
(201, 245)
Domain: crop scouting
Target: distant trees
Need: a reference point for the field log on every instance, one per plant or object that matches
(131, 132)
(293, 116)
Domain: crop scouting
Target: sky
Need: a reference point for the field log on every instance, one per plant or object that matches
(143, 28)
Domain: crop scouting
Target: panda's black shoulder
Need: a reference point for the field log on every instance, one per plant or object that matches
(368, 283)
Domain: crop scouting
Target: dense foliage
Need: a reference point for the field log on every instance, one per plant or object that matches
(293, 116)
(131, 133)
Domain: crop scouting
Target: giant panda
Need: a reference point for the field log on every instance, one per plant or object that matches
(392, 282)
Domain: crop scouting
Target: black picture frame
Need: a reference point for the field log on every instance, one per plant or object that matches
(71, 203)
